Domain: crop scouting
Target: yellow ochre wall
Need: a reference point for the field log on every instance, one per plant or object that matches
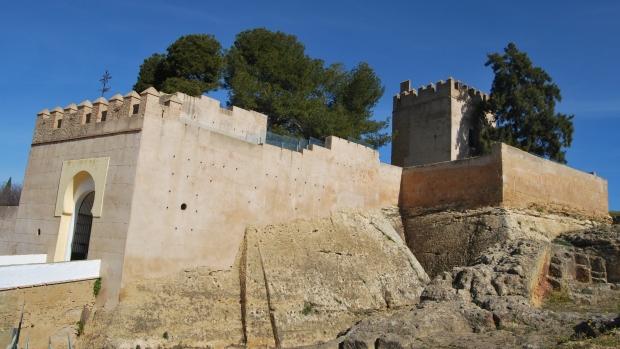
(228, 183)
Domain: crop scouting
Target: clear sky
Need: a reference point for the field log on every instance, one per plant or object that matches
(54, 52)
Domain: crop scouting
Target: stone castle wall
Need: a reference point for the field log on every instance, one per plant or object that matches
(533, 182)
(197, 189)
(472, 182)
(185, 178)
(37, 225)
(508, 177)
(8, 215)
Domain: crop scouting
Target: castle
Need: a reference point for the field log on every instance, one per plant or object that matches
(151, 183)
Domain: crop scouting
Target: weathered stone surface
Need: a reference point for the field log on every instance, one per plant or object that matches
(51, 312)
(293, 284)
(315, 278)
(446, 239)
(496, 302)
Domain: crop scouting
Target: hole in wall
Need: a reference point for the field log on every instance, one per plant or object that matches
(39, 232)
(183, 206)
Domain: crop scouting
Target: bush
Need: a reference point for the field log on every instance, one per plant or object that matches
(97, 287)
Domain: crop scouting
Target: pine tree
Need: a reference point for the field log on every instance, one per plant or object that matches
(522, 103)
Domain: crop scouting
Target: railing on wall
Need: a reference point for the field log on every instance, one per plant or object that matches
(292, 143)
(360, 142)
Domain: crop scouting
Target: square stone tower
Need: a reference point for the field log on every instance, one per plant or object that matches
(433, 123)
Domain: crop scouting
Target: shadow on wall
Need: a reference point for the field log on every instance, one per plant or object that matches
(466, 133)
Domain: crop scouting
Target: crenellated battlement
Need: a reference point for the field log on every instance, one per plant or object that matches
(126, 114)
(443, 88)
(88, 119)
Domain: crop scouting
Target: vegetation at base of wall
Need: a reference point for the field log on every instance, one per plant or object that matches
(10, 193)
(80, 328)
(308, 307)
(558, 298)
(615, 216)
(97, 287)
(522, 104)
(270, 72)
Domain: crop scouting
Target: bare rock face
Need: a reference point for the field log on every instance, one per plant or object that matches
(307, 281)
(446, 239)
(507, 299)
(293, 284)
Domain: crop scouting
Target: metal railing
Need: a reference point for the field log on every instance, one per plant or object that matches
(292, 143)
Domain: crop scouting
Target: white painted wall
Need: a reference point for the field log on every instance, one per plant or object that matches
(23, 259)
(13, 276)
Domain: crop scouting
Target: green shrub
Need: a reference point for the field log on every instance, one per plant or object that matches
(307, 308)
(97, 287)
(80, 328)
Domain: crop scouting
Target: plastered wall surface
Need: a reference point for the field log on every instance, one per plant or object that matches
(37, 226)
(8, 215)
(185, 178)
(533, 182)
(197, 190)
(207, 113)
(473, 182)
(507, 177)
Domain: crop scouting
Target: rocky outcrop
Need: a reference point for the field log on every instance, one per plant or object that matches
(293, 284)
(505, 300)
(446, 239)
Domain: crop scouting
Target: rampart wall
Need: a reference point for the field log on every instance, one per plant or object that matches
(532, 182)
(508, 177)
(197, 189)
(8, 215)
(459, 184)
(185, 178)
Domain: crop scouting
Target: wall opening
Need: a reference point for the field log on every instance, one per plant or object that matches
(76, 218)
(82, 226)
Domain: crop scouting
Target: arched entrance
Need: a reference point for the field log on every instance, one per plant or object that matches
(82, 227)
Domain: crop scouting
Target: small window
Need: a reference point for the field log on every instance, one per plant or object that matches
(136, 107)
(87, 121)
(104, 115)
(58, 123)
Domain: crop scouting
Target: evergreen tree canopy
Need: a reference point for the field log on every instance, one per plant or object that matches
(192, 65)
(270, 72)
(10, 193)
(522, 103)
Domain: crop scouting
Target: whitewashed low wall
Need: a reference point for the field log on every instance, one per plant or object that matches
(24, 275)
(23, 259)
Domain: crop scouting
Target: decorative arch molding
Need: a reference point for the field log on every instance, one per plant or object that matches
(78, 178)
(74, 173)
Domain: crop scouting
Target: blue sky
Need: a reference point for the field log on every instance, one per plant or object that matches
(53, 53)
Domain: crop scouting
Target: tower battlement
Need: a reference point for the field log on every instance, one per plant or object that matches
(126, 113)
(433, 123)
(442, 88)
